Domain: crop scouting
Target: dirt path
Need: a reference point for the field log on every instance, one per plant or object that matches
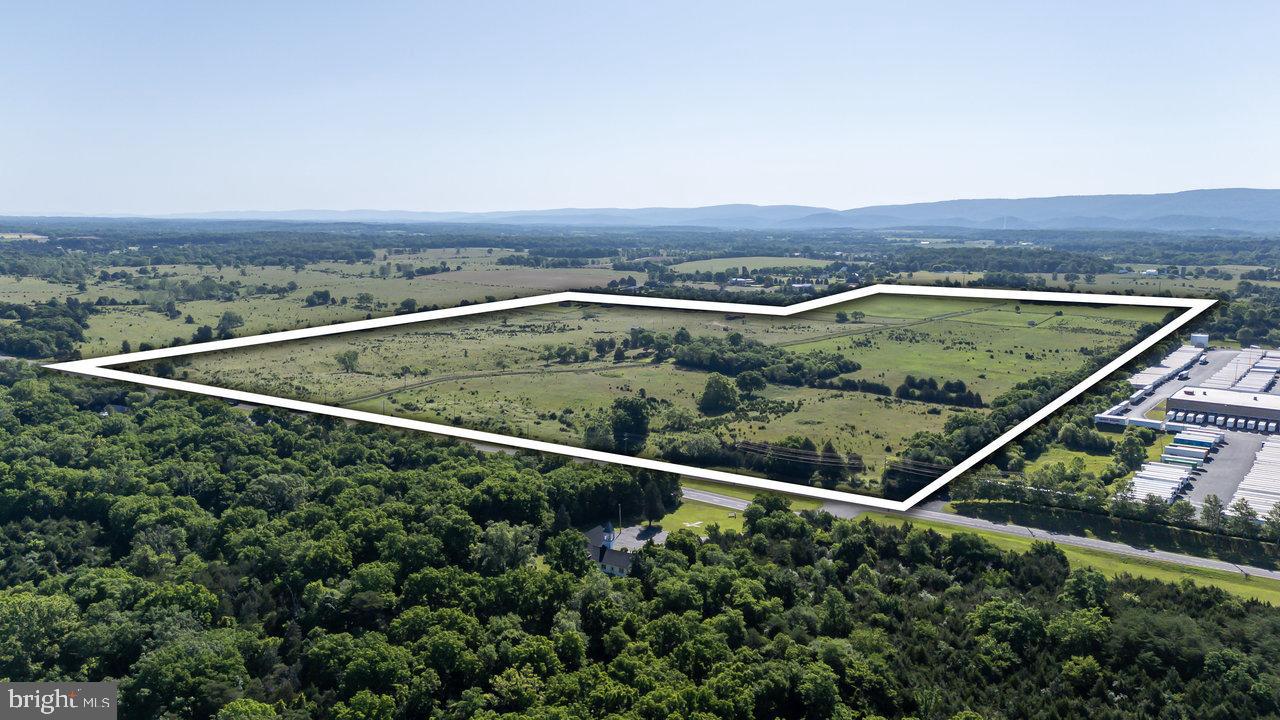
(894, 326)
(487, 374)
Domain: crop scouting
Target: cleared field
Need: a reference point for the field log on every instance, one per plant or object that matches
(1058, 454)
(551, 372)
(755, 262)
(991, 347)
(27, 290)
(696, 516)
(1008, 318)
(918, 307)
(1095, 463)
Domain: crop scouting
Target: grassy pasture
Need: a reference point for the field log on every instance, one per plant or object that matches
(696, 516)
(1095, 463)
(990, 349)
(27, 290)
(1134, 282)
(1059, 454)
(915, 307)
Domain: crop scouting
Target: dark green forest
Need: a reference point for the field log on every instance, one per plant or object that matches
(232, 564)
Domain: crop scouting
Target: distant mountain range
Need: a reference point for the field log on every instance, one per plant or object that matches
(1239, 209)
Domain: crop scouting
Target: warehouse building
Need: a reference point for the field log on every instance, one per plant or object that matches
(1250, 366)
(1229, 403)
(1177, 361)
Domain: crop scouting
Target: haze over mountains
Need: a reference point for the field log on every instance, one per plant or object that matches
(1239, 209)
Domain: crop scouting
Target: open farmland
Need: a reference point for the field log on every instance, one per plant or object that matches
(28, 290)
(558, 373)
(990, 345)
(1218, 279)
(271, 298)
(753, 263)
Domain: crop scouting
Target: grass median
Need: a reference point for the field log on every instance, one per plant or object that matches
(1112, 564)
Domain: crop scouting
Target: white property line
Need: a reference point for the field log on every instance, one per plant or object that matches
(101, 368)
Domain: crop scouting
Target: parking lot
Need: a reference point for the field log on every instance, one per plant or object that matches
(1226, 467)
(1198, 374)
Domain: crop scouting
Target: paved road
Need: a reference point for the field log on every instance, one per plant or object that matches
(847, 510)
(711, 498)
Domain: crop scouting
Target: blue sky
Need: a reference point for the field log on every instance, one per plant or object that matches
(141, 107)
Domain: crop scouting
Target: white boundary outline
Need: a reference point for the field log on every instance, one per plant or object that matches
(101, 368)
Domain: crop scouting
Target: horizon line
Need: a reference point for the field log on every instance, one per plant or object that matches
(194, 214)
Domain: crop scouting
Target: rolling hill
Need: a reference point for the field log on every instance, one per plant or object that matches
(1237, 209)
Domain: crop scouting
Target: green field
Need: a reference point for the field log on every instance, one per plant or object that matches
(1111, 564)
(1094, 463)
(1058, 454)
(27, 290)
(990, 345)
(696, 516)
(492, 371)
(1134, 282)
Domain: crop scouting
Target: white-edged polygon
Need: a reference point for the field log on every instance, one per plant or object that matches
(103, 368)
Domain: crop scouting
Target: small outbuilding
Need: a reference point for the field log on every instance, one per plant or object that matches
(600, 548)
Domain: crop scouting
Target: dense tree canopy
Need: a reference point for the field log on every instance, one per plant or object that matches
(273, 565)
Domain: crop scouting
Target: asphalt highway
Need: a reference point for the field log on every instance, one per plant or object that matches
(848, 510)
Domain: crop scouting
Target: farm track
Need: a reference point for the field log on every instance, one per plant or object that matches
(891, 326)
(489, 374)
